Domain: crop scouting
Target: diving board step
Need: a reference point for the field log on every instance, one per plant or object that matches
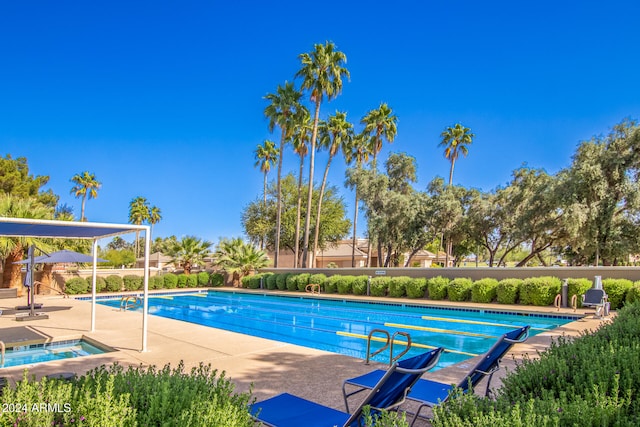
(413, 344)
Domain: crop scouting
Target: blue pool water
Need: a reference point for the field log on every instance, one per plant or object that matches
(46, 352)
(341, 326)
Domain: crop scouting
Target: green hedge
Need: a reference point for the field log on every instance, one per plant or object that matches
(182, 280)
(132, 282)
(616, 290)
(633, 294)
(577, 287)
(156, 282)
(302, 280)
(170, 281)
(216, 279)
(508, 291)
(76, 285)
(539, 291)
(291, 281)
(484, 291)
(416, 288)
(379, 286)
(271, 282)
(460, 289)
(345, 285)
(331, 285)
(398, 286)
(437, 287)
(114, 283)
(101, 283)
(203, 279)
(281, 281)
(359, 285)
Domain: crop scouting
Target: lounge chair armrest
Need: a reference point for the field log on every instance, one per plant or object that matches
(490, 371)
(521, 340)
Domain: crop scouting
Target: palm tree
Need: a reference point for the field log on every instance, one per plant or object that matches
(138, 213)
(301, 136)
(283, 108)
(12, 248)
(266, 154)
(85, 185)
(358, 149)
(380, 123)
(189, 252)
(336, 133)
(322, 73)
(239, 258)
(455, 140)
(155, 216)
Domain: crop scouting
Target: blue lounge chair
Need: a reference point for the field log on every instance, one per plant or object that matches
(389, 392)
(431, 393)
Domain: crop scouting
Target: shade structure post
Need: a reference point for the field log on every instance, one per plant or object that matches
(94, 252)
(145, 300)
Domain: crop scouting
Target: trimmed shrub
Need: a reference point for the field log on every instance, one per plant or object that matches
(633, 294)
(459, 289)
(398, 286)
(317, 279)
(379, 286)
(203, 279)
(192, 281)
(182, 280)
(616, 290)
(292, 282)
(578, 287)
(484, 290)
(156, 282)
(101, 283)
(359, 285)
(271, 281)
(132, 282)
(331, 285)
(302, 281)
(417, 288)
(76, 285)
(281, 281)
(170, 281)
(345, 285)
(437, 287)
(216, 279)
(508, 291)
(114, 283)
(539, 291)
(246, 281)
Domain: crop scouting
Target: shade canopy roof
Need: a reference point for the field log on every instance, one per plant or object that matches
(22, 227)
(63, 256)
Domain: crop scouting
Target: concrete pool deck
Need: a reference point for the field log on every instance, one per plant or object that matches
(266, 367)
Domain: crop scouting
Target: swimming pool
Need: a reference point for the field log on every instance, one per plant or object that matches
(46, 352)
(341, 325)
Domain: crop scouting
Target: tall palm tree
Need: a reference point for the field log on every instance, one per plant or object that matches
(85, 186)
(239, 258)
(380, 123)
(281, 111)
(155, 216)
(301, 136)
(189, 252)
(455, 140)
(336, 134)
(266, 155)
(138, 213)
(358, 149)
(322, 73)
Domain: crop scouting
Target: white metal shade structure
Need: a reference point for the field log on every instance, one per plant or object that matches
(23, 227)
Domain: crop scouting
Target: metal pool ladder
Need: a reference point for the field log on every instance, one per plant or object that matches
(130, 301)
(390, 340)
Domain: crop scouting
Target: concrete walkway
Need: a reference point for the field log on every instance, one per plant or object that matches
(266, 367)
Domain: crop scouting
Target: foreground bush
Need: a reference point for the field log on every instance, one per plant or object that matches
(592, 380)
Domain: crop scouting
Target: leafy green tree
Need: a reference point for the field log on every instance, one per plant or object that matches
(239, 258)
(380, 124)
(189, 251)
(86, 185)
(455, 141)
(322, 72)
(282, 111)
(163, 244)
(118, 243)
(336, 134)
(357, 149)
(119, 257)
(334, 225)
(16, 181)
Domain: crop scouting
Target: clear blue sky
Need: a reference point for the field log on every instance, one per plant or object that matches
(165, 99)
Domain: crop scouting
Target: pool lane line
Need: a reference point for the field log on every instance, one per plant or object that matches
(477, 322)
(418, 345)
(438, 330)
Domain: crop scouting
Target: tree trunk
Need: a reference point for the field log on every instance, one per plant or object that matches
(316, 233)
(355, 222)
(12, 274)
(307, 221)
(45, 279)
(296, 252)
(279, 203)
